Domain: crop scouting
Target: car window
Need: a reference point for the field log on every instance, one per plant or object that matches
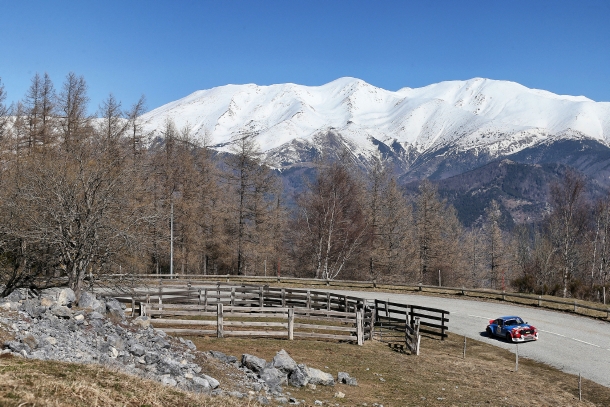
(519, 321)
(511, 322)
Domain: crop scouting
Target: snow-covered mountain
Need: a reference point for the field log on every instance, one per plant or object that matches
(480, 119)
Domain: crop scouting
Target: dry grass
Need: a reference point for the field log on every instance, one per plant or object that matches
(440, 376)
(25, 382)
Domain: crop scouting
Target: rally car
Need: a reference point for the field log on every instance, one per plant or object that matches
(513, 329)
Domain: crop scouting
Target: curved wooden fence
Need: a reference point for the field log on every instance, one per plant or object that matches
(249, 310)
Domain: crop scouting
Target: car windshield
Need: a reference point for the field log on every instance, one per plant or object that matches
(514, 321)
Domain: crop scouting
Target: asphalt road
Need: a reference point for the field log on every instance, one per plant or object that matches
(574, 344)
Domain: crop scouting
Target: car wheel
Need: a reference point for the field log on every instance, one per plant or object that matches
(509, 338)
(488, 330)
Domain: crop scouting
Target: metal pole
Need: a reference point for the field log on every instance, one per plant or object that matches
(579, 387)
(171, 240)
(517, 358)
(439, 278)
(604, 295)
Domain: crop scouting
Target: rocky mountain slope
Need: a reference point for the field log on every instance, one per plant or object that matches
(473, 121)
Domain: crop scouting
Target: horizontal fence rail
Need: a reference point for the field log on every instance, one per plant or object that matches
(223, 309)
(536, 300)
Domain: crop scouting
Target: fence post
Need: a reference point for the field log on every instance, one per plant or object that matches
(308, 299)
(283, 297)
(464, 351)
(579, 387)
(412, 320)
(345, 309)
(232, 296)
(188, 290)
(133, 307)
(328, 300)
(574, 305)
(160, 299)
(290, 324)
(540, 300)
(373, 320)
(219, 321)
(359, 328)
(199, 297)
(205, 299)
(142, 309)
(517, 358)
(417, 337)
(260, 297)
(442, 326)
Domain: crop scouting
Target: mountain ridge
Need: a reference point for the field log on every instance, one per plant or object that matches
(481, 116)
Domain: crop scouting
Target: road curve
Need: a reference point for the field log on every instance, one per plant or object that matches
(574, 344)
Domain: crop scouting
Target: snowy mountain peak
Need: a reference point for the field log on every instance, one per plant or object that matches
(479, 115)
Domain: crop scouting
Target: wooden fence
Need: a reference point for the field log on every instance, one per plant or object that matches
(287, 312)
(572, 305)
(393, 318)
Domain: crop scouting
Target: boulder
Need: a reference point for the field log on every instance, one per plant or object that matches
(200, 385)
(61, 311)
(222, 357)
(299, 376)
(274, 378)
(343, 377)
(66, 297)
(137, 350)
(284, 362)
(89, 301)
(114, 308)
(47, 302)
(317, 376)
(253, 363)
(33, 308)
(213, 382)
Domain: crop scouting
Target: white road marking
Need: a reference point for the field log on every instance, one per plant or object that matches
(476, 316)
(574, 339)
(588, 343)
(553, 333)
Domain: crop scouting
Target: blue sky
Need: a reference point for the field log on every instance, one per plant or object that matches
(169, 49)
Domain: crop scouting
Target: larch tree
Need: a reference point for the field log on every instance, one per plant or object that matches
(567, 223)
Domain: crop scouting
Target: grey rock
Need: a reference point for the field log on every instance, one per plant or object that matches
(189, 344)
(66, 297)
(115, 309)
(345, 378)
(236, 394)
(33, 308)
(273, 377)
(17, 346)
(168, 381)
(253, 363)
(262, 400)
(61, 311)
(95, 315)
(284, 362)
(200, 385)
(299, 377)
(137, 350)
(221, 356)
(151, 358)
(281, 400)
(116, 341)
(213, 382)
(89, 301)
(317, 376)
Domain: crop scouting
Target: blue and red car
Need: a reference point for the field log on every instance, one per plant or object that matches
(512, 328)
